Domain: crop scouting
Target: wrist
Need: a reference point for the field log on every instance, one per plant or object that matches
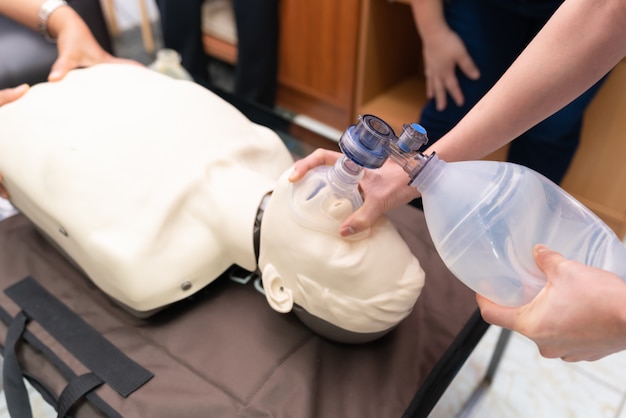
(400, 183)
(429, 18)
(48, 17)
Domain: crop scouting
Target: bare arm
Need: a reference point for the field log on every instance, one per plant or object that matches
(428, 15)
(25, 12)
(76, 44)
(578, 46)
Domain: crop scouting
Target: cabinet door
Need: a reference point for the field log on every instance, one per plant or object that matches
(317, 58)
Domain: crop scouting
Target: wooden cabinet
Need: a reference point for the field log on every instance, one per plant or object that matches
(318, 58)
(342, 58)
(389, 76)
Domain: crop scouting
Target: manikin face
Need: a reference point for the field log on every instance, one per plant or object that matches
(362, 286)
(151, 185)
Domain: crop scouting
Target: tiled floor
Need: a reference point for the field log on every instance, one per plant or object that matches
(528, 385)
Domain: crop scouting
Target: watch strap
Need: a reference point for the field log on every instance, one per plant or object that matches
(45, 10)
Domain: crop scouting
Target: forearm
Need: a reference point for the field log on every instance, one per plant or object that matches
(25, 12)
(580, 44)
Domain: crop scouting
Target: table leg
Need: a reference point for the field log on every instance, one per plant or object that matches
(485, 383)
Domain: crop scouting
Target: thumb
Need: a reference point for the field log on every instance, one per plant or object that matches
(547, 260)
(362, 219)
(59, 69)
(495, 314)
(469, 68)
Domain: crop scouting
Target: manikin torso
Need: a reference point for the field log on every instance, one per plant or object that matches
(152, 186)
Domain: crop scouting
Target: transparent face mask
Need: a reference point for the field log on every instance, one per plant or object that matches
(326, 196)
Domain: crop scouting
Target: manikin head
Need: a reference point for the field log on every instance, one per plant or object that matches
(350, 290)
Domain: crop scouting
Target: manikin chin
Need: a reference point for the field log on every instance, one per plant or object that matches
(152, 187)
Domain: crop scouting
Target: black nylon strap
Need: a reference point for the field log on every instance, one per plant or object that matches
(15, 391)
(75, 390)
(93, 350)
(32, 340)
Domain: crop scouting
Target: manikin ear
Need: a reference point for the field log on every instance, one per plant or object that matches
(278, 296)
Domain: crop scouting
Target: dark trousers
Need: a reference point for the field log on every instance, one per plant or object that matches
(257, 32)
(495, 32)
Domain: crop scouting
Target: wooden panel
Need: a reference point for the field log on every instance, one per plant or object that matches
(400, 104)
(389, 49)
(316, 107)
(597, 175)
(317, 56)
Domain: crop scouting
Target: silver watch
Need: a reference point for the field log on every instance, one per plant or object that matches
(46, 9)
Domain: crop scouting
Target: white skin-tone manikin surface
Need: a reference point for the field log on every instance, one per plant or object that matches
(364, 285)
(144, 181)
(150, 183)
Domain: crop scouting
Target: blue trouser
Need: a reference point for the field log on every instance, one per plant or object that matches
(495, 32)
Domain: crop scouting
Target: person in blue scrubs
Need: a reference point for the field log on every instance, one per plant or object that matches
(467, 46)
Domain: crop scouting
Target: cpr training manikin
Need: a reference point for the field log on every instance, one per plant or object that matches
(152, 186)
